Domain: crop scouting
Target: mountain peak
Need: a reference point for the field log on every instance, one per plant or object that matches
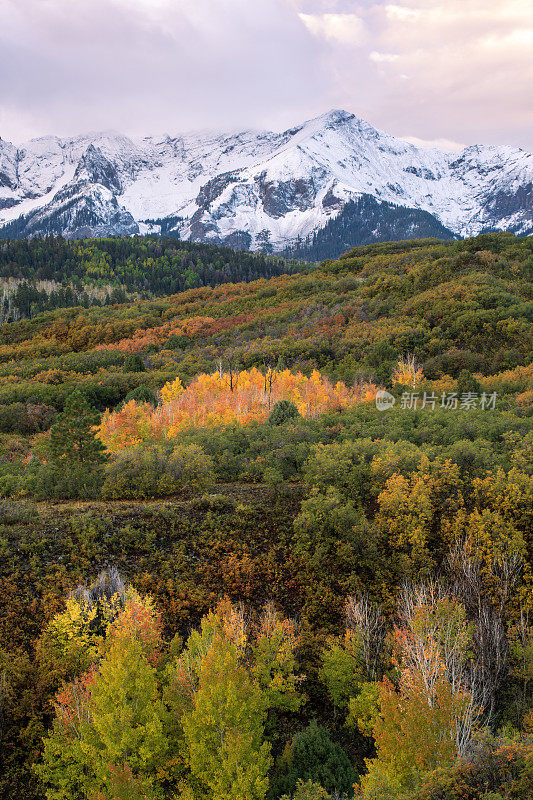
(265, 189)
(332, 118)
(337, 116)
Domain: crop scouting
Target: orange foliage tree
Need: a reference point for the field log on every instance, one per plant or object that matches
(221, 399)
(126, 427)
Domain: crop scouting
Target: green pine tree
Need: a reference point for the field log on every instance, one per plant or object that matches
(71, 439)
(134, 363)
(315, 757)
(74, 457)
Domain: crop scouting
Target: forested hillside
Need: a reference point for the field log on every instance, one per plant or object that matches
(52, 272)
(271, 539)
(364, 221)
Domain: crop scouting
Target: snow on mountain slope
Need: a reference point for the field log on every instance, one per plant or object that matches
(256, 189)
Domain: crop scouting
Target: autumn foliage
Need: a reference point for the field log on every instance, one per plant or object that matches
(228, 479)
(223, 398)
(407, 372)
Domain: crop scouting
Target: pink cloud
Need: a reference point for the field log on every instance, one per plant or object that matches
(433, 69)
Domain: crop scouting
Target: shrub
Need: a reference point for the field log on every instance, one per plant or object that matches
(135, 474)
(177, 342)
(142, 394)
(25, 418)
(13, 512)
(188, 468)
(283, 411)
(134, 363)
(9, 485)
(215, 502)
(344, 465)
(13, 419)
(75, 481)
(467, 383)
(144, 472)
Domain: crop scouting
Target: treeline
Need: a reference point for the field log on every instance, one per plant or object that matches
(21, 299)
(144, 265)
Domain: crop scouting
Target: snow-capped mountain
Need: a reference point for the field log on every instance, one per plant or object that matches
(262, 190)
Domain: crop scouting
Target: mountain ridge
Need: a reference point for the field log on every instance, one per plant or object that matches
(260, 190)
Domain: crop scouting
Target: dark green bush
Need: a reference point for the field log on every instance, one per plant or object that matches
(188, 468)
(467, 383)
(142, 394)
(135, 473)
(151, 471)
(134, 363)
(177, 342)
(315, 757)
(283, 411)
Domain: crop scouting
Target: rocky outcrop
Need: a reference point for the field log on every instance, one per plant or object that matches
(94, 167)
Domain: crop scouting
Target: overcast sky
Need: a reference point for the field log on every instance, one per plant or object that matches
(446, 71)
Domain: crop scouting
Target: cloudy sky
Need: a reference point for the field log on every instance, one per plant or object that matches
(444, 71)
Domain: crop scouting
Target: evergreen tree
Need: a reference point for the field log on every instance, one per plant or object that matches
(467, 383)
(315, 757)
(75, 456)
(283, 411)
(71, 438)
(142, 394)
(134, 363)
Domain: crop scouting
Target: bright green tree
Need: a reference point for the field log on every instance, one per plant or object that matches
(274, 662)
(342, 668)
(108, 738)
(127, 713)
(223, 731)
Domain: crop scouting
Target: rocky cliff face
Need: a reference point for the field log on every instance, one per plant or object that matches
(262, 190)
